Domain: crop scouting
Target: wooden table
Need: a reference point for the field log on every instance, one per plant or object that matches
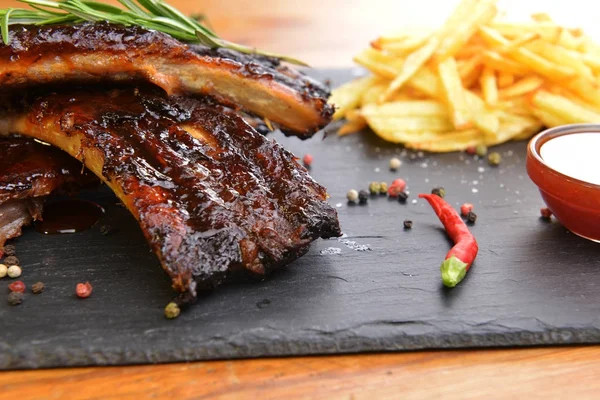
(326, 34)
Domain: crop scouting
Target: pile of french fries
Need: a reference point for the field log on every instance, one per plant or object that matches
(477, 80)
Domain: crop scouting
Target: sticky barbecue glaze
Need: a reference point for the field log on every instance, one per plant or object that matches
(211, 194)
(101, 51)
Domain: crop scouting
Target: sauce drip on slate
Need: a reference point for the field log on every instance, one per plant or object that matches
(69, 216)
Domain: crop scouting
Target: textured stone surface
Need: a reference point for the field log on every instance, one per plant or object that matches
(532, 284)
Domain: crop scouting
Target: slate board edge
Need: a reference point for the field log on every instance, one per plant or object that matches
(31, 358)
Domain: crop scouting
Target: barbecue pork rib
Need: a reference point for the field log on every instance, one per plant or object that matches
(104, 52)
(211, 194)
(29, 172)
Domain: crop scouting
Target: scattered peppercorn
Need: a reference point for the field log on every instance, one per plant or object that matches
(408, 224)
(363, 197)
(17, 286)
(11, 260)
(14, 271)
(83, 290)
(471, 150)
(481, 150)
(383, 188)
(9, 250)
(375, 188)
(307, 160)
(402, 197)
(37, 288)
(394, 191)
(352, 195)
(439, 191)
(465, 209)
(471, 217)
(494, 159)
(401, 183)
(546, 213)
(15, 298)
(395, 163)
(172, 310)
(3, 271)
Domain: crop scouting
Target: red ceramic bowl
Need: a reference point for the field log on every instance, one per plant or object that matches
(575, 203)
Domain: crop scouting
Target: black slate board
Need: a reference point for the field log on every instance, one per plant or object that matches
(533, 283)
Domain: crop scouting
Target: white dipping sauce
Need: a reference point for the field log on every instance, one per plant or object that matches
(576, 155)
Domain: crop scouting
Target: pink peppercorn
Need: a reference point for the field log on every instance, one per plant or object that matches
(307, 160)
(401, 183)
(465, 209)
(83, 290)
(546, 213)
(17, 286)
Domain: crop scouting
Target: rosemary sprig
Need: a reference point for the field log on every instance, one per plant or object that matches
(150, 14)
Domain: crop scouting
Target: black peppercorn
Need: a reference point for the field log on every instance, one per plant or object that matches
(263, 129)
(471, 217)
(11, 260)
(402, 197)
(363, 197)
(408, 224)
(9, 250)
(15, 298)
(37, 288)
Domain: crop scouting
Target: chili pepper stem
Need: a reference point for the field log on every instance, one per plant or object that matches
(453, 271)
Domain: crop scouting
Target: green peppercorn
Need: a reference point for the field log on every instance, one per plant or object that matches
(15, 298)
(439, 191)
(494, 159)
(363, 197)
(408, 224)
(172, 310)
(37, 288)
(383, 188)
(402, 197)
(471, 217)
(481, 150)
(375, 188)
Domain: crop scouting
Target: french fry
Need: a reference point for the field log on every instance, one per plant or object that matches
(524, 56)
(448, 141)
(522, 87)
(505, 79)
(564, 108)
(489, 86)
(454, 94)
(474, 81)
(348, 96)
(495, 60)
(460, 27)
(547, 31)
(412, 64)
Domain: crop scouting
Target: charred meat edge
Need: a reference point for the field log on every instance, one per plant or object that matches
(101, 51)
(211, 194)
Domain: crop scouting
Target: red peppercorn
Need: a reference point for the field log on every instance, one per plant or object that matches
(546, 213)
(471, 150)
(394, 190)
(465, 209)
(401, 183)
(83, 290)
(17, 286)
(307, 160)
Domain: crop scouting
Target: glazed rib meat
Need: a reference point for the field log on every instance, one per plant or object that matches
(211, 195)
(103, 52)
(29, 172)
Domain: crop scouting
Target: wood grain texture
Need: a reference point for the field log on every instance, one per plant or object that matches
(307, 31)
(531, 374)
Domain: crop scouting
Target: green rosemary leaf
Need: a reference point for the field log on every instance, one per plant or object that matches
(4, 25)
(131, 6)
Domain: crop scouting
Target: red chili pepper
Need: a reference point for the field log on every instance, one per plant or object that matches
(461, 256)
(17, 286)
